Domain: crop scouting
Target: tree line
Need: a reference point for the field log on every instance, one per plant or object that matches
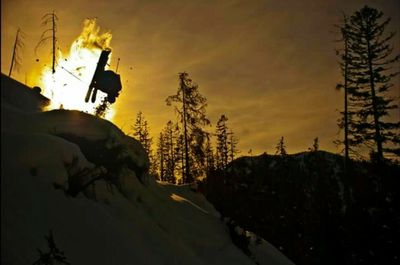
(184, 150)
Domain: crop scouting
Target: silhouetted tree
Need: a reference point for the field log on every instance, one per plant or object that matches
(346, 86)
(16, 58)
(49, 18)
(222, 152)
(370, 65)
(179, 152)
(169, 152)
(281, 148)
(170, 156)
(191, 108)
(232, 148)
(210, 158)
(160, 154)
(315, 146)
(226, 148)
(141, 133)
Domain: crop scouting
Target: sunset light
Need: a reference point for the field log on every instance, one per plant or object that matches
(208, 132)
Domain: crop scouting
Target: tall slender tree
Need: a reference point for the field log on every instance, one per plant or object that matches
(209, 154)
(49, 20)
(281, 148)
(160, 154)
(16, 56)
(344, 65)
(170, 155)
(315, 146)
(141, 133)
(169, 152)
(371, 63)
(191, 108)
(222, 150)
(348, 120)
(226, 148)
(232, 148)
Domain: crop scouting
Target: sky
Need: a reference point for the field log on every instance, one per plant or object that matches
(269, 66)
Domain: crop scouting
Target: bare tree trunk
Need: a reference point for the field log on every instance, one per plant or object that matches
(54, 42)
(13, 55)
(378, 137)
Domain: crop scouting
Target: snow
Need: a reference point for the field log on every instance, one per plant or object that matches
(138, 223)
(264, 252)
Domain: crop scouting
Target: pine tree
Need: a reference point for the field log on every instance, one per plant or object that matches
(160, 154)
(180, 156)
(281, 148)
(370, 64)
(232, 148)
(315, 146)
(170, 149)
(222, 152)
(191, 109)
(352, 139)
(141, 133)
(210, 158)
(169, 152)
(344, 65)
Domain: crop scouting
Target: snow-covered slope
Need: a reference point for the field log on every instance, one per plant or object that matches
(129, 220)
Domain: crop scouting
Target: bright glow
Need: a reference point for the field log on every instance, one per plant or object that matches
(67, 87)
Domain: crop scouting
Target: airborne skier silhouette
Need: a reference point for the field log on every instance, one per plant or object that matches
(105, 80)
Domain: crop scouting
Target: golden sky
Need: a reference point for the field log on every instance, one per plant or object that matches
(270, 66)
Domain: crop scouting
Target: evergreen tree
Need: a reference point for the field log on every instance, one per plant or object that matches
(352, 139)
(346, 86)
(315, 146)
(179, 152)
(170, 156)
(210, 158)
(191, 108)
(169, 152)
(232, 148)
(141, 133)
(160, 154)
(222, 152)
(370, 62)
(281, 148)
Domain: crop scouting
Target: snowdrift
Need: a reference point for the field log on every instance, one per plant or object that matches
(55, 175)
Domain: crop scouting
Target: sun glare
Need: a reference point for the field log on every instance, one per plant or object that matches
(67, 87)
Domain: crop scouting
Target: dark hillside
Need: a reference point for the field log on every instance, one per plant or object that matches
(305, 205)
(21, 96)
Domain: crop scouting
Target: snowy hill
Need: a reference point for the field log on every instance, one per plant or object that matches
(86, 181)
